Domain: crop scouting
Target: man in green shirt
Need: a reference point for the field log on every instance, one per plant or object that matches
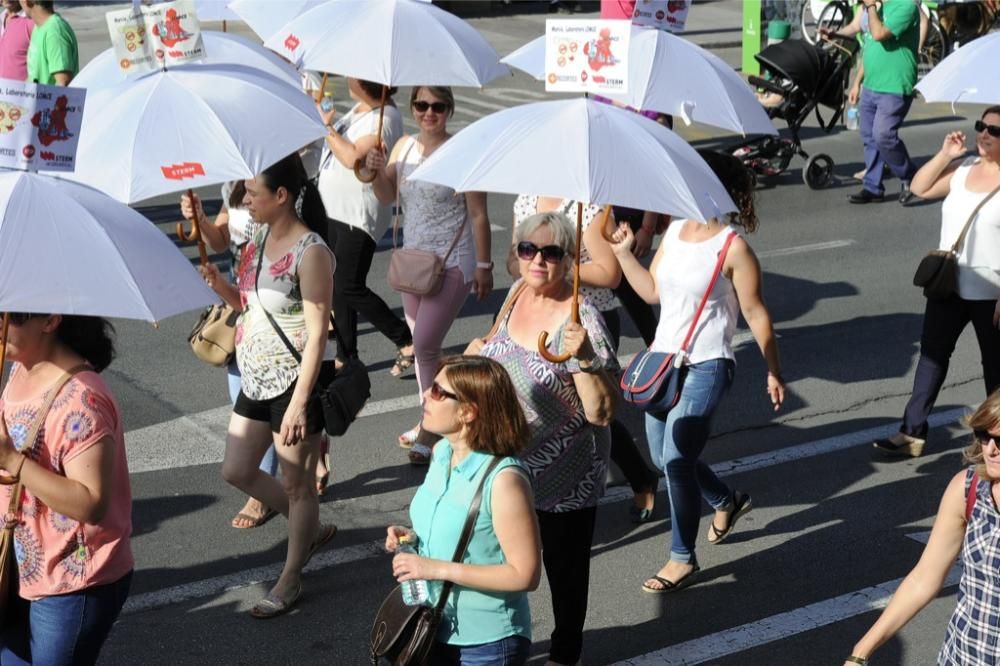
(53, 56)
(885, 86)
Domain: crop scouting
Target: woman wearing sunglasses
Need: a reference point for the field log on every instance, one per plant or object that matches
(455, 227)
(72, 542)
(472, 403)
(966, 526)
(567, 405)
(964, 182)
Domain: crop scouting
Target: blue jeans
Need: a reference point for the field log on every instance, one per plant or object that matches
(510, 651)
(881, 116)
(269, 463)
(675, 444)
(65, 629)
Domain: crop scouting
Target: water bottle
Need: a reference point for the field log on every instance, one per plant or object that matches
(851, 117)
(327, 102)
(414, 591)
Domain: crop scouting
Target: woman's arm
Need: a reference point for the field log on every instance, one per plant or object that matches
(933, 179)
(602, 270)
(594, 386)
(924, 582)
(744, 271)
(642, 280)
(216, 234)
(316, 284)
(346, 151)
(482, 283)
(516, 527)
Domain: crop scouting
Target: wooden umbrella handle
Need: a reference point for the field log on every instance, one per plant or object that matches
(359, 165)
(194, 234)
(322, 88)
(605, 216)
(543, 337)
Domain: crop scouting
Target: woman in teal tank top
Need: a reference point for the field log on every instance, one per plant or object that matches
(473, 405)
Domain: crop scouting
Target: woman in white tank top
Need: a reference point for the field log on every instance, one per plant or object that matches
(677, 279)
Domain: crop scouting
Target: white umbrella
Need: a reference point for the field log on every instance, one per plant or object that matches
(214, 10)
(221, 48)
(69, 249)
(190, 126)
(669, 74)
(266, 17)
(966, 75)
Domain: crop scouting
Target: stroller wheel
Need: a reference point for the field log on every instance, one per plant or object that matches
(818, 171)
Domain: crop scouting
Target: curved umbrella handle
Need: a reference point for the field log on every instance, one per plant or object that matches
(543, 349)
(359, 165)
(543, 337)
(194, 234)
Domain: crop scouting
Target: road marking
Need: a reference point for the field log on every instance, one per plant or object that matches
(220, 584)
(777, 627)
(814, 247)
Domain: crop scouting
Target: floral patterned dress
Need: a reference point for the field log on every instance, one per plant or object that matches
(266, 365)
(566, 456)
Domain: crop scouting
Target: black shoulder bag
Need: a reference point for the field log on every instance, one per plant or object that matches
(404, 635)
(348, 390)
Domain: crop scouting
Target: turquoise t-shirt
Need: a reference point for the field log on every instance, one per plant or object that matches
(438, 512)
(891, 65)
(52, 49)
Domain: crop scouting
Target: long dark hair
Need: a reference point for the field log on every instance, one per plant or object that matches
(290, 174)
(90, 337)
(739, 182)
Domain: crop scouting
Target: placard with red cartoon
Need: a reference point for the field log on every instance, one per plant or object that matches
(39, 125)
(586, 55)
(147, 38)
(669, 15)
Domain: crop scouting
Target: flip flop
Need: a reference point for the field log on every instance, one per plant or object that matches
(326, 532)
(273, 606)
(742, 503)
(671, 585)
(420, 455)
(255, 521)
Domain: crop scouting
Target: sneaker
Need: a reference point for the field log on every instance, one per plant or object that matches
(901, 445)
(865, 196)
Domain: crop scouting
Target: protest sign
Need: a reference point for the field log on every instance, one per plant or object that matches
(584, 55)
(147, 38)
(39, 125)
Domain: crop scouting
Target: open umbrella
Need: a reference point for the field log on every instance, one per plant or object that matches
(576, 149)
(964, 76)
(266, 17)
(214, 10)
(221, 48)
(392, 42)
(669, 74)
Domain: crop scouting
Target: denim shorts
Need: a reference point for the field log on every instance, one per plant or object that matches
(509, 651)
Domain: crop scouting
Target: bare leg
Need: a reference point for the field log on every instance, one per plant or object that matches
(246, 443)
(298, 476)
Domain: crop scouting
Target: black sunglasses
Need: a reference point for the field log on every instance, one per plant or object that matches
(439, 394)
(421, 106)
(984, 437)
(552, 254)
(992, 130)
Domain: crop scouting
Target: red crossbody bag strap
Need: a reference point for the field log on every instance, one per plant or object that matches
(970, 499)
(708, 292)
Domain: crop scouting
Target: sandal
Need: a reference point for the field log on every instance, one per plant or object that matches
(670, 585)
(323, 536)
(409, 438)
(742, 503)
(272, 605)
(251, 521)
(420, 455)
(403, 363)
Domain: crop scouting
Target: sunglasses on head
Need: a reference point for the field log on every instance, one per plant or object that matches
(439, 394)
(552, 254)
(992, 130)
(422, 106)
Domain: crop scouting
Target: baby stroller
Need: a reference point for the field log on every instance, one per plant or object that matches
(800, 78)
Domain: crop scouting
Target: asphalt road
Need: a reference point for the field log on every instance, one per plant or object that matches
(797, 583)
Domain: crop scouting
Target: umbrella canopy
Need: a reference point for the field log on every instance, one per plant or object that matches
(671, 75)
(190, 126)
(392, 42)
(266, 17)
(68, 249)
(964, 76)
(582, 150)
(214, 10)
(221, 48)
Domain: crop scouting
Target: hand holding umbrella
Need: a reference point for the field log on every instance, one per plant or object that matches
(194, 213)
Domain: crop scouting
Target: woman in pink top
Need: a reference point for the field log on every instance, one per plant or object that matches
(15, 37)
(73, 552)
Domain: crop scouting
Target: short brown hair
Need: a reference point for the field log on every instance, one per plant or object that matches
(499, 428)
(739, 182)
(986, 417)
(443, 93)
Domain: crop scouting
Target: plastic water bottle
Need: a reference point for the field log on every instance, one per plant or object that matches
(851, 117)
(327, 102)
(414, 591)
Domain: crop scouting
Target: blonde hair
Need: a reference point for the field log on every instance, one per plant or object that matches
(986, 417)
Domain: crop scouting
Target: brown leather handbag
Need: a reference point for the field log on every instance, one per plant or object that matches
(8, 560)
(404, 635)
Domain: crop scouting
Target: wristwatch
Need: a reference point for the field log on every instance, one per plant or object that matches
(487, 265)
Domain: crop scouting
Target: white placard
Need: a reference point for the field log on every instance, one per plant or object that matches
(147, 38)
(669, 15)
(586, 55)
(39, 125)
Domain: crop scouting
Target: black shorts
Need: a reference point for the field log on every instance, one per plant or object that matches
(272, 410)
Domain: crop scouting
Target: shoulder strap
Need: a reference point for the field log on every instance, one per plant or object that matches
(704, 299)
(970, 499)
(399, 185)
(470, 523)
(957, 247)
(505, 309)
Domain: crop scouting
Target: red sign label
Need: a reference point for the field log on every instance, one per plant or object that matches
(47, 155)
(28, 151)
(182, 171)
(292, 42)
(175, 54)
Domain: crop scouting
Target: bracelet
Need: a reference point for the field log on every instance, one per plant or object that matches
(486, 265)
(857, 660)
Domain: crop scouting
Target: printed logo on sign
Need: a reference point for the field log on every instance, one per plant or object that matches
(552, 78)
(583, 76)
(660, 15)
(292, 42)
(175, 54)
(159, 54)
(182, 171)
(124, 64)
(46, 155)
(28, 151)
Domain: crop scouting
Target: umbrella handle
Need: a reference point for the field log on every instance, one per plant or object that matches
(359, 166)
(543, 337)
(608, 236)
(322, 88)
(194, 234)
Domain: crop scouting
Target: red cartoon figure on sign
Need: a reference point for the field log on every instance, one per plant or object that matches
(169, 30)
(674, 6)
(598, 51)
(51, 123)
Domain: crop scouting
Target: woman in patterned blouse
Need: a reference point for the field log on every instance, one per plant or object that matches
(568, 406)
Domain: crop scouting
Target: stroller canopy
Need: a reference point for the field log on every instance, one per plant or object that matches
(810, 67)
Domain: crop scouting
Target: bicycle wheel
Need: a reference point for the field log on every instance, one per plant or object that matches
(807, 21)
(833, 17)
(936, 47)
